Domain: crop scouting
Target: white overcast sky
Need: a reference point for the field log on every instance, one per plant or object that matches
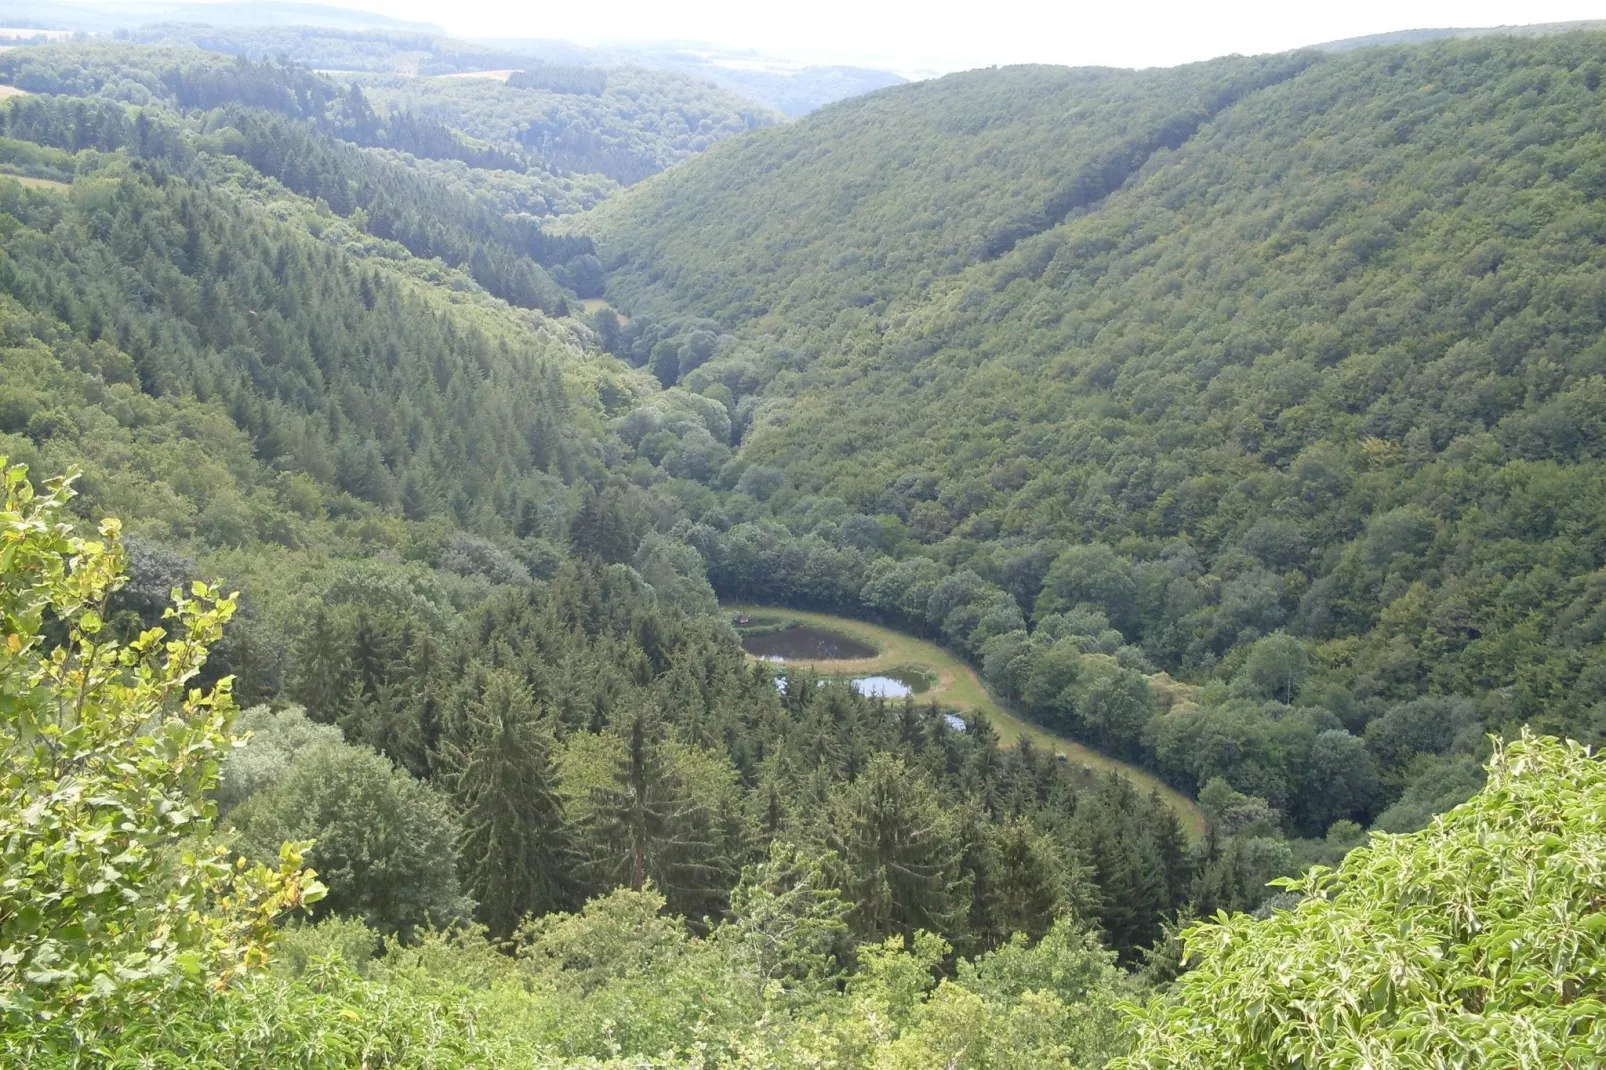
(945, 35)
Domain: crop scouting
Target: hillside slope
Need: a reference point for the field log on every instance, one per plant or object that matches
(625, 123)
(1328, 363)
(281, 357)
(871, 199)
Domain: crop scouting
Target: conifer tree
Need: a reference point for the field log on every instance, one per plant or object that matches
(901, 850)
(321, 666)
(1026, 881)
(648, 827)
(515, 845)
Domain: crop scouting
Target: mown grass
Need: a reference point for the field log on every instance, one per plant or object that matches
(958, 686)
(38, 183)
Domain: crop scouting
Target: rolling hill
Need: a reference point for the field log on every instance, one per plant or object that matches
(1304, 346)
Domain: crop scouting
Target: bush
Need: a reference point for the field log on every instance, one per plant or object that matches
(385, 843)
(1477, 942)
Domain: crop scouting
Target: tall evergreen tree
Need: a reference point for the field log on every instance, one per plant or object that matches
(649, 828)
(514, 847)
(321, 665)
(902, 852)
(1026, 882)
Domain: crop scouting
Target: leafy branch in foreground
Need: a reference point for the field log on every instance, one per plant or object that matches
(1480, 941)
(110, 892)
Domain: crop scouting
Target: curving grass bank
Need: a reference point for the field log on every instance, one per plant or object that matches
(958, 686)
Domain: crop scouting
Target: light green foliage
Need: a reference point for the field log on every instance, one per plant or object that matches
(385, 843)
(651, 813)
(1476, 942)
(621, 986)
(1048, 1006)
(642, 122)
(269, 745)
(111, 894)
(787, 919)
(1275, 668)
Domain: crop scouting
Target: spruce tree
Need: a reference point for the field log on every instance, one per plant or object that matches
(515, 844)
(901, 850)
(321, 666)
(649, 828)
(1026, 881)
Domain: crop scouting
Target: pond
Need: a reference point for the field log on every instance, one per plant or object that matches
(894, 683)
(804, 643)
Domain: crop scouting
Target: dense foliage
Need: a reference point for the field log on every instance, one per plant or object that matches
(1474, 942)
(634, 124)
(1478, 942)
(555, 65)
(628, 124)
(114, 898)
(389, 460)
(1277, 375)
(1237, 420)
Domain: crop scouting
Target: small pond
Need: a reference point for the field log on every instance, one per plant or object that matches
(804, 643)
(894, 683)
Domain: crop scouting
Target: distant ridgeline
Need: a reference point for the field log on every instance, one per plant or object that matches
(328, 48)
(566, 126)
(188, 79)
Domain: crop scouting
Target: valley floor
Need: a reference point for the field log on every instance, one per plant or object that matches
(958, 686)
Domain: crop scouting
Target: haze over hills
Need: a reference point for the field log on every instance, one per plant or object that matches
(789, 86)
(1235, 429)
(328, 37)
(105, 17)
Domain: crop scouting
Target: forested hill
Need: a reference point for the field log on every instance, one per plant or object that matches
(577, 130)
(1308, 345)
(869, 200)
(1241, 420)
(495, 685)
(625, 123)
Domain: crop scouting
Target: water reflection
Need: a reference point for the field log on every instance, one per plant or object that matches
(805, 643)
(882, 687)
(895, 683)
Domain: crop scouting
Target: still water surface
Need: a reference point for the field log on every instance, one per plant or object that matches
(804, 643)
(894, 683)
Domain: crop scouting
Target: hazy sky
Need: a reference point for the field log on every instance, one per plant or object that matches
(946, 35)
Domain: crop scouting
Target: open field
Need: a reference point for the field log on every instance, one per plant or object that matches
(597, 304)
(39, 183)
(958, 686)
(11, 91)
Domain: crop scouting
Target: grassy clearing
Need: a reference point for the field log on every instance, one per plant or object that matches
(594, 305)
(38, 183)
(958, 686)
(11, 91)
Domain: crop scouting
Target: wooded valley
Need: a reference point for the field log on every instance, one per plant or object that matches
(380, 449)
